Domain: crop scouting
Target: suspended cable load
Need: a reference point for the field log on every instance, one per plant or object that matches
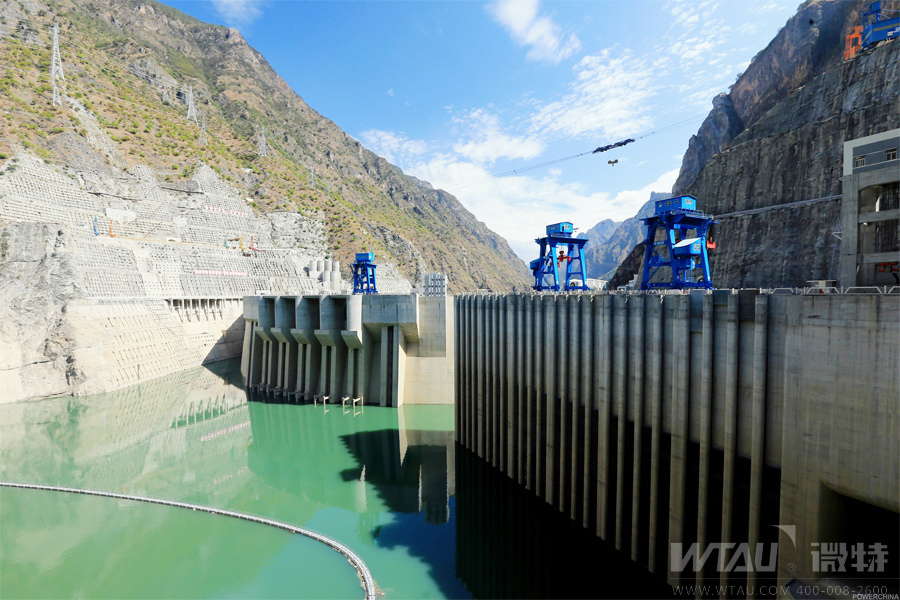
(611, 146)
(56, 70)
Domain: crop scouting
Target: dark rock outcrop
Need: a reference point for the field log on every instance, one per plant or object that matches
(630, 267)
(721, 126)
(794, 154)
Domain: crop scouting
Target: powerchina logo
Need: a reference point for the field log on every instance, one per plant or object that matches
(764, 560)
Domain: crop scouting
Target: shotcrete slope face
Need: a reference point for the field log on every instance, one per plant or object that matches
(109, 278)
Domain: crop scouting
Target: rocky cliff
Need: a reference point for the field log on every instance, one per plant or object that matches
(810, 43)
(776, 188)
(721, 126)
(767, 160)
(132, 64)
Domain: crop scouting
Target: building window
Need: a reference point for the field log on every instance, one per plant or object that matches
(890, 154)
(859, 161)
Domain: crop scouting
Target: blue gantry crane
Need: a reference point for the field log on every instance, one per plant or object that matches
(682, 247)
(364, 273)
(559, 248)
(875, 28)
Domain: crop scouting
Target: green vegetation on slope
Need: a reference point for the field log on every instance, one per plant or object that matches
(130, 65)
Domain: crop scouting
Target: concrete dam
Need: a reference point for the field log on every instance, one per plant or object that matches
(747, 425)
(378, 349)
(736, 420)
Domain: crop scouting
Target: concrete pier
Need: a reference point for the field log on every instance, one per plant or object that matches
(658, 420)
(385, 350)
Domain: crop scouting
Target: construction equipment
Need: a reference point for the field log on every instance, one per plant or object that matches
(546, 269)
(683, 247)
(364, 273)
(853, 44)
(875, 28)
(611, 146)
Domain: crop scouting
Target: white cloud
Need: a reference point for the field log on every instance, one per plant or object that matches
(486, 143)
(607, 97)
(396, 148)
(390, 92)
(518, 208)
(238, 12)
(692, 47)
(546, 40)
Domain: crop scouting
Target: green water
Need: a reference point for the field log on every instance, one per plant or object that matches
(430, 519)
(194, 437)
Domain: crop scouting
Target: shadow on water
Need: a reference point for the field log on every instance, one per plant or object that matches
(479, 533)
(511, 544)
(398, 479)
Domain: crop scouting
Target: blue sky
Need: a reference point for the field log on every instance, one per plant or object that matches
(453, 92)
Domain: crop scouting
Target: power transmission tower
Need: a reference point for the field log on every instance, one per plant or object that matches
(312, 177)
(261, 146)
(56, 70)
(192, 111)
(203, 130)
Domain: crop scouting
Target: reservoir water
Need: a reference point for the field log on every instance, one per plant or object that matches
(429, 519)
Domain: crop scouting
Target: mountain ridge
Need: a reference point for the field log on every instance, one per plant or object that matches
(313, 166)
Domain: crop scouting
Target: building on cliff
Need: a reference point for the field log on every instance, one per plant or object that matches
(870, 211)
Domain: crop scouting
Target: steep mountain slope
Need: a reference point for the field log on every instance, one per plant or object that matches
(599, 233)
(810, 43)
(603, 259)
(133, 64)
(790, 155)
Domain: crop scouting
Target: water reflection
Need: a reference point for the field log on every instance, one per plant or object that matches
(400, 478)
(429, 519)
